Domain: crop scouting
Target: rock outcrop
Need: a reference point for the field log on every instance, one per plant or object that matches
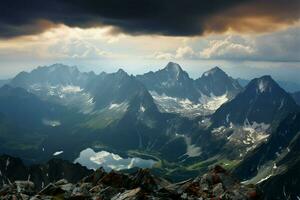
(100, 185)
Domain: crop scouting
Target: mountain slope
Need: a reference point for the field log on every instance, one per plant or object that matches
(262, 101)
(33, 128)
(275, 164)
(248, 120)
(296, 97)
(136, 115)
(26, 109)
(282, 144)
(4, 82)
(58, 84)
(284, 185)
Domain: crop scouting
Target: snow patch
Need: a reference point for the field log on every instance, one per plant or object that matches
(263, 86)
(71, 89)
(57, 153)
(206, 105)
(7, 164)
(191, 149)
(67, 95)
(114, 105)
(142, 108)
(281, 104)
(255, 127)
(119, 107)
(247, 136)
(213, 102)
(263, 179)
(53, 123)
(219, 130)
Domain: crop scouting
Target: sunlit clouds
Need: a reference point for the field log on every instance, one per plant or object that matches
(103, 49)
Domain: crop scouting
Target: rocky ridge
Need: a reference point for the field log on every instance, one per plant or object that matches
(216, 184)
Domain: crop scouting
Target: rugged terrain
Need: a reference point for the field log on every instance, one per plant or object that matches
(141, 184)
(177, 126)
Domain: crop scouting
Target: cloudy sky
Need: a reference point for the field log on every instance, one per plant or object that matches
(247, 38)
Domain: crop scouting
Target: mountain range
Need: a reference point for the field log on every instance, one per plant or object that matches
(174, 91)
(184, 125)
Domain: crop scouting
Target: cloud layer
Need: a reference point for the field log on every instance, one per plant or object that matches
(163, 17)
(280, 46)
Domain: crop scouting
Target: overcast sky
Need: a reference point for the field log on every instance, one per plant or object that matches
(247, 38)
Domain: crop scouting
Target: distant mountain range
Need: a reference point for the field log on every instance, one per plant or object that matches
(184, 125)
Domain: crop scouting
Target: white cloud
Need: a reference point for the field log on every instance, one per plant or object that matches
(279, 46)
(162, 55)
(228, 48)
(185, 52)
(77, 48)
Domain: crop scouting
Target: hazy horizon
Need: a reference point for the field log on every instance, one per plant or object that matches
(194, 71)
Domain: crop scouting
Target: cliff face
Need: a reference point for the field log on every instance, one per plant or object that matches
(216, 184)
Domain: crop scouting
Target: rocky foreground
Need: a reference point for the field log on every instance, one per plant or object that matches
(100, 185)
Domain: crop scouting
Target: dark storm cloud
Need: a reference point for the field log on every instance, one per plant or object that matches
(165, 17)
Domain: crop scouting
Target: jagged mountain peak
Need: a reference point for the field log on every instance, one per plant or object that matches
(121, 72)
(215, 81)
(214, 71)
(262, 101)
(263, 84)
(171, 80)
(174, 72)
(171, 66)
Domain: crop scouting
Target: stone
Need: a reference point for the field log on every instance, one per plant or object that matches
(61, 182)
(218, 190)
(133, 194)
(52, 190)
(26, 187)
